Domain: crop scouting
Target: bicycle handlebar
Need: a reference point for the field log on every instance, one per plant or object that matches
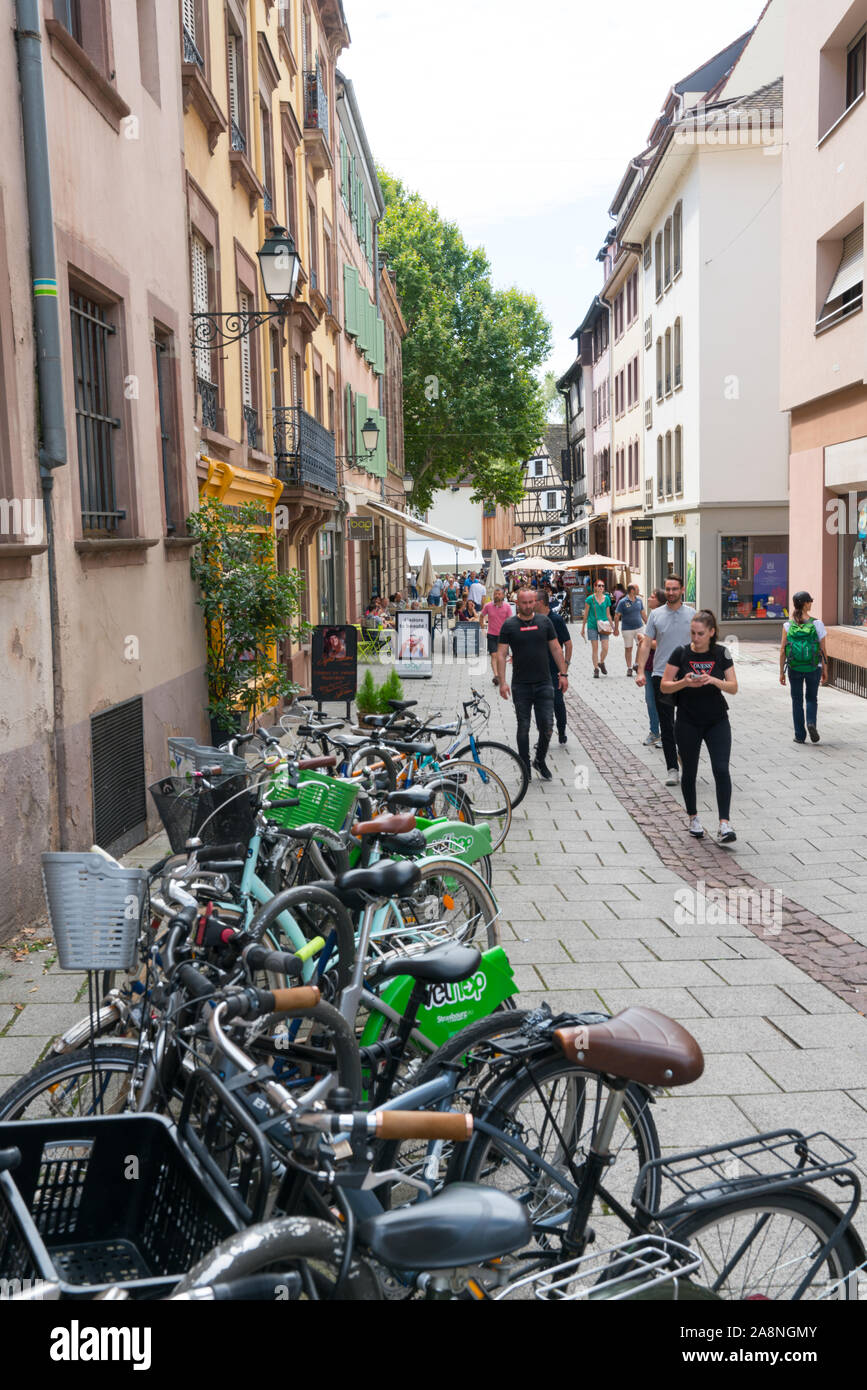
(394, 1124)
(258, 1003)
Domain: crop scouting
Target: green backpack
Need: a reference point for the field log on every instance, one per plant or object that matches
(802, 646)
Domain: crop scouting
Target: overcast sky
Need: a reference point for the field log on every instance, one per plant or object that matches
(517, 120)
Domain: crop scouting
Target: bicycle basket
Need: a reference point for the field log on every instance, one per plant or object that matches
(67, 1214)
(326, 800)
(95, 908)
(221, 814)
(185, 755)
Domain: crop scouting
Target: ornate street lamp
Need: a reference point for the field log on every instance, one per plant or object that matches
(280, 267)
(370, 439)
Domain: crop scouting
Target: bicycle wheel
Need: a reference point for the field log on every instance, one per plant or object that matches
(375, 769)
(554, 1107)
(452, 901)
(449, 799)
(762, 1247)
(307, 1246)
(503, 760)
(487, 793)
(61, 1087)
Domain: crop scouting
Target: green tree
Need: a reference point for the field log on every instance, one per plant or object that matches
(249, 609)
(474, 407)
(555, 405)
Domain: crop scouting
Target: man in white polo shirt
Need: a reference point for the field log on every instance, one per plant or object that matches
(670, 628)
(477, 592)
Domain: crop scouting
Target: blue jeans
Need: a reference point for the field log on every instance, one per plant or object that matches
(804, 683)
(650, 699)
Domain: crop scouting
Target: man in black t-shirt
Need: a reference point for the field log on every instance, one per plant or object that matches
(561, 631)
(534, 643)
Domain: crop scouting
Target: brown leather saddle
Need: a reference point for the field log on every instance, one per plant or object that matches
(385, 825)
(637, 1045)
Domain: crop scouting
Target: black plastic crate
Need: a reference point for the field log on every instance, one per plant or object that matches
(222, 814)
(113, 1199)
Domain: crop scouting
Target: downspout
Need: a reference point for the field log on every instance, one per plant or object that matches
(46, 322)
(603, 304)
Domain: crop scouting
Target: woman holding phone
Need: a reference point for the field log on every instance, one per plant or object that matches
(699, 676)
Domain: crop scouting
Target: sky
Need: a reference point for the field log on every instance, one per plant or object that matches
(517, 120)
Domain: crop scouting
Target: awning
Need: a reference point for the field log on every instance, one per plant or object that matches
(553, 535)
(362, 500)
(850, 273)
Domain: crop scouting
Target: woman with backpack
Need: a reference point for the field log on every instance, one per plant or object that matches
(802, 653)
(698, 675)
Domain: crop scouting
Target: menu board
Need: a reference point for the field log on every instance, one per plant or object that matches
(334, 664)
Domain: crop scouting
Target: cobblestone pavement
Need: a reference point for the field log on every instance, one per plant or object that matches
(606, 901)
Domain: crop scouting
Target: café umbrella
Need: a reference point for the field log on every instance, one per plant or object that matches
(426, 575)
(496, 577)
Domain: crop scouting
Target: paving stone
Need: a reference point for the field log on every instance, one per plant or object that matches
(808, 1111)
(46, 1020)
(59, 988)
(754, 972)
(738, 1035)
(815, 1069)
(683, 1124)
(821, 1030)
(664, 973)
(679, 1004)
(598, 975)
(19, 1054)
(764, 1001)
(729, 1074)
(536, 951)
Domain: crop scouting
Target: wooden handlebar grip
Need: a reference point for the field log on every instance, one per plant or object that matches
(423, 1124)
(303, 997)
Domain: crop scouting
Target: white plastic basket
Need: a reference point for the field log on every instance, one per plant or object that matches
(95, 908)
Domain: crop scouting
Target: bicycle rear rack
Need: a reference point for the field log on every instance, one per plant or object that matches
(622, 1272)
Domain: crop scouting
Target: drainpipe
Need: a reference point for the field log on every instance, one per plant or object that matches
(52, 448)
(603, 304)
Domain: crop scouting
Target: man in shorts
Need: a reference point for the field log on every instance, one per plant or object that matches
(493, 616)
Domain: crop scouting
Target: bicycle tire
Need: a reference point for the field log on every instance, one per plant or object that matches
(45, 1079)
(372, 754)
(481, 905)
(483, 1162)
(488, 795)
(448, 801)
(817, 1217)
(504, 761)
(281, 1243)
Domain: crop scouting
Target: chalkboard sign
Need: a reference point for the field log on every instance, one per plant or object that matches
(334, 664)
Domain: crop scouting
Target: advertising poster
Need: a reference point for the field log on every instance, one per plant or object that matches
(414, 645)
(334, 664)
(770, 582)
(691, 586)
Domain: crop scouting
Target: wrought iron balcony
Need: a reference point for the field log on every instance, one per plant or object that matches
(238, 138)
(304, 450)
(208, 392)
(251, 420)
(315, 103)
(191, 52)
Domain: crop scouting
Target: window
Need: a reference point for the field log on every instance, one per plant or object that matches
(552, 502)
(659, 390)
(667, 252)
(677, 238)
(267, 156)
(678, 461)
(275, 368)
(678, 354)
(289, 196)
(754, 577)
(237, 101)
(668, 361)
(331, 421)
(317, 396)
(669, 488)
(659, 266)
(648, 257)
(68, 13)
(93, 350)
(855, 69)
(313, 244)
(660, 475)
(648, 334)
(539, 469)
(846, 294)
(326, 269)
(201, 278)
(167, 405)
(618, 316)
(648, 413)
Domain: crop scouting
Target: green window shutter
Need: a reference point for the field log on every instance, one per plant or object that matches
(348, 424)
(382, 447)
(363, 299)
(379, 359)
(370, 354)
(344, 169)
(361, 414)
(369, 238)
(350, 297)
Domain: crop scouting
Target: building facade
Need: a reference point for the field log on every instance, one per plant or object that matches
(823, 328)
(593, 337)
(105, 650)
(622, 294)
(572, 387)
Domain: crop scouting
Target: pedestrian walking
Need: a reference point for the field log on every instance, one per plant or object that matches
(803, 655)
(600, 622)
(631, 615)
(669, 627)
(477, 591)
(696, 675)
(411, 584)
(436, 593)
(544, 609)
(493, 615)
(656, 600)
(532, 639)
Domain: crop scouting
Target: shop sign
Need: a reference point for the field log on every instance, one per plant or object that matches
(360, 528)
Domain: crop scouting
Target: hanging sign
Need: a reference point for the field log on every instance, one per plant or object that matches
(360, 528)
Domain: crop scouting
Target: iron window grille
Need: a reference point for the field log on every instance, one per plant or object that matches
(95, 424)
(315, 102)
(239, 139)
(208, 395)
(118, 776)
(251, 420)
(165, 432)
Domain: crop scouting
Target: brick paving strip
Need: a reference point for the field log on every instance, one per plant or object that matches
(829, 956)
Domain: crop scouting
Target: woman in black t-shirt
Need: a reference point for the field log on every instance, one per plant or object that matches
(696, 676)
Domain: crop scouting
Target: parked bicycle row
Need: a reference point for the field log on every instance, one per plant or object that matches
(310, 1013)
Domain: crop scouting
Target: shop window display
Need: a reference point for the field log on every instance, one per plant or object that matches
(853, 569)
(755, 577)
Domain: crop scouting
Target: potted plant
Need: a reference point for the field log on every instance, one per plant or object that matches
(250, 609)
(373, 699)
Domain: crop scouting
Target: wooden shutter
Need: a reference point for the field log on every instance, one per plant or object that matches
(363, 340)
(201, 301)
(233, 79)
(246, 370)
(379, 359)
(190, 18)
(361, 414)
(350, 300)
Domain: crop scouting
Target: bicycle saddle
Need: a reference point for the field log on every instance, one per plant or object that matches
(385, 825)
(444, 965)
(413, 798)
(462, 1226)
(402, 704)
(380, 881)
(639, 1045)
(322, 726)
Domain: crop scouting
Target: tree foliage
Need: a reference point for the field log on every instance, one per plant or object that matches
(474, 407)
(555, 405)
(249, 609)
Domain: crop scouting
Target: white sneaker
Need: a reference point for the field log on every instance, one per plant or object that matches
(649, 741)
(696, 828)
(673, 777)
(726, 835)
